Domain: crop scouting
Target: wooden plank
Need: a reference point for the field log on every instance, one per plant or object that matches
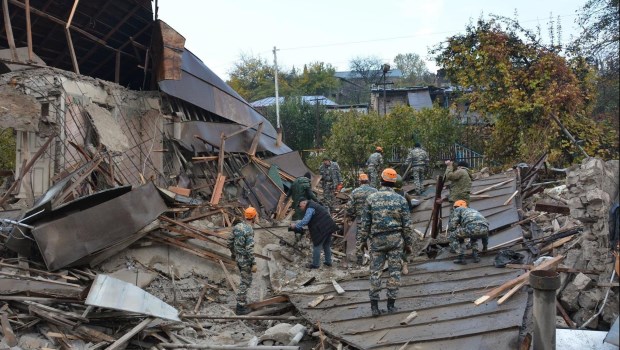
(75, 4)
(180, 190)
(200, 297)
(254, 144)
(29, 32)
(9, 335)
(511, 292)
(556, 244)
(498, 290)
(135, 330)
(565, 316)
(228, 277)
(511, 197)
(492, 187)
(266, 302)
(316, 301)
(337, 287)
(410, 317)
(552, 208)
(217, 190)
(8, 28)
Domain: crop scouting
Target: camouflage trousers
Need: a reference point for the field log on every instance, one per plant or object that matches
(328, 194)
(245, 272)
(473, 232)
(359, 253)
(418, 178)
(385, 247)
(373, 175)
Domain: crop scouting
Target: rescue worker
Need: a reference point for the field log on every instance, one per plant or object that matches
(330, 181)
(354, 209)
(374, 166)
(300, 189)
(467, 223)
(241, 245)
(387, 224)
(460, 179)
(418, 160)
(398, 188)
(321, 226)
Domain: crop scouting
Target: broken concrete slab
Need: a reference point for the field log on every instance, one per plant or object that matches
(18, 110)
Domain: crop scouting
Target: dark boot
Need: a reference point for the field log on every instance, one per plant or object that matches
(374, 308)
(242, 310)
(475, 256)
(460, 260)
(390, 306)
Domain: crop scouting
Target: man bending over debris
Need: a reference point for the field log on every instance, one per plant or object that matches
(241, 245)
(387, 224)
(321, 226)
(467, 223)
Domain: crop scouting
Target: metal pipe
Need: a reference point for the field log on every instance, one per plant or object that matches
(545, 283)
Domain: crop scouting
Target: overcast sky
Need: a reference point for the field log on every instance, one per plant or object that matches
(336, 31)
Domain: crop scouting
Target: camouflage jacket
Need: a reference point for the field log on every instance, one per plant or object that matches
(375, 161)
(300, 189)
(355, 206)
(330, 173)
(461, 183)
(241, 244)
(386, 211)
(467, 219)
(417, 157)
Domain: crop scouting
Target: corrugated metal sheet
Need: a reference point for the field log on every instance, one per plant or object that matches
(270, 101)
(203, 88)
(419, 99)
(441, 292)
(291, 163)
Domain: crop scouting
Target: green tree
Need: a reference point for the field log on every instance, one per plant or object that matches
(316, 79)
(368, 68)
(253, 79)
(304, 124)
(7, 149)
(511, 75)
(414, 69)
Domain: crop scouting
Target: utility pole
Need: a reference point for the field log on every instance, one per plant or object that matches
(385, 68)
(278, 128)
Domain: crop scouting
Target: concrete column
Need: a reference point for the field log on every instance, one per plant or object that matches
(545, 283)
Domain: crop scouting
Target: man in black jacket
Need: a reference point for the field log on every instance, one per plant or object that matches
(321, 226)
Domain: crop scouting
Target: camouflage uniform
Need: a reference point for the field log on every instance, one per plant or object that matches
(418, 158)
(467, 223)
(330, 178)
(461, 183)
(355, 208)
(408, 198)
(374, 166)
(387, 223)
(241, 245)
(300, 189)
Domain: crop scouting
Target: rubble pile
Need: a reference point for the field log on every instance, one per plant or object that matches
(582, 203)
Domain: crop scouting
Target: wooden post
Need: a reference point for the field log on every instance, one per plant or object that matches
(254, 145)
(117, 67)
(72, 52)
(9, 29)
(75, 3)
(29, 32)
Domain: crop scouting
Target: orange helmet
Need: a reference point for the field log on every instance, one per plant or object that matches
(250, 213)
(379, 149)
(363, 177)
(460, 203)
(389, 175)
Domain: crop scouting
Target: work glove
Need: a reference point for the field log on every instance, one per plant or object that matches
(253, 268)
(408, 249)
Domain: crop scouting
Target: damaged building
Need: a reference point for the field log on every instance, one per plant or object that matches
(133, 160)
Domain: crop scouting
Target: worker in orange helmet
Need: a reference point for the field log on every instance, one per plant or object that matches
(467, 223)
(354, 209)
(241, 245)
(374, 166)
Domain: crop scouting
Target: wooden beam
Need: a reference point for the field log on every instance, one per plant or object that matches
(117, 68)
(74, 62)
(257, 136)
(29, 32)
(9, 29)
(75, 4)
(135, 330)
(492, 187)
(270, 301)
(552, 208)
(228, 277)
(9, 335)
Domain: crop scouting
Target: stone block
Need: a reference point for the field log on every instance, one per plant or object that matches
(590, 298)
(610, 310)
(33, 341)
(582, 281)
(581, 316)
(570, 298)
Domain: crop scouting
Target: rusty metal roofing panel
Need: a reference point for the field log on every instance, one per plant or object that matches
(442, 294)
(291, 163)
(263, 193)
(201, 87)
(70, 238)
(211, 132)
